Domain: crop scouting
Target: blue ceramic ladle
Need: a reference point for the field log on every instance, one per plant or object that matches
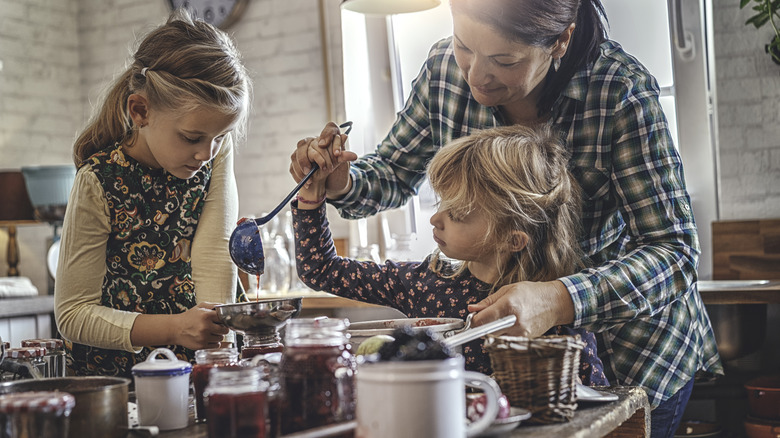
(246, 244)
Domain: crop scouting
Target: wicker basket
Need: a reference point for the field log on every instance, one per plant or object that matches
(538, 374)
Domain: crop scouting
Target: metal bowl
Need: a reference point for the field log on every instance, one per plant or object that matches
(259, 316)
(360, 331)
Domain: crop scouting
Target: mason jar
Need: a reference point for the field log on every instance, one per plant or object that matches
(27, 362)
(236, 403)
(54, 356)
(205, 361)
(317, 374)
(39, 414)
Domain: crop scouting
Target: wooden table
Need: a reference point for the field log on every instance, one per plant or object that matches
(739, 292)
(627, 417)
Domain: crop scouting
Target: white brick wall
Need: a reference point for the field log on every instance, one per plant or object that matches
(748, 90)
(59, 55)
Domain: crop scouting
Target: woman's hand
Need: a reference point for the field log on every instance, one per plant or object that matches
(199, 327)
(538, 306)
(329, 152)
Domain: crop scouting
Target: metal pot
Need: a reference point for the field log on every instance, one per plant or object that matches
(101, 403)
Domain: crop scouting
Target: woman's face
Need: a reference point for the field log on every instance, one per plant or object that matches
(181, 143)
(500, 72)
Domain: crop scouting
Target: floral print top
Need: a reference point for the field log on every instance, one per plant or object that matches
(153, 217)
(411, 287)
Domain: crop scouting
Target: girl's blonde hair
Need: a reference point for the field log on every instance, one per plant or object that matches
(182, 65)
(518, 177)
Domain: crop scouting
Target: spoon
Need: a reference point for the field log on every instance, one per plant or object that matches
(246, 245)
(470, 333)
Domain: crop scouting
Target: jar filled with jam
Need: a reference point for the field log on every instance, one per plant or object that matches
(317, 374)
(205, 360)
(39, 414)
(262, 342)
(237, 403)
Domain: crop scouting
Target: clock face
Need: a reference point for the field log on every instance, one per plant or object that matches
(220, 13)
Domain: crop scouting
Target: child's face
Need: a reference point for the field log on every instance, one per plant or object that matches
(462, 238)
(182, 144)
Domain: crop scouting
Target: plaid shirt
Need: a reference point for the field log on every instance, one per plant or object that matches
(641, 298)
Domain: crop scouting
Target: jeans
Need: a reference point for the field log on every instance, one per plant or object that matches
(666, 417)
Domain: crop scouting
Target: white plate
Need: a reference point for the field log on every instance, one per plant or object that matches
(504, 425)
(586, 394)
(52, 257)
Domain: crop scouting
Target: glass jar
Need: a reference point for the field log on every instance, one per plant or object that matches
(261, 343)
(276, 279)
(39, 414)
(237, 403)
(317, 374)
(205, 361)
(54, 357)
(26, 362)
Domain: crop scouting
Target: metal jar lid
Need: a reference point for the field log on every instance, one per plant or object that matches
(56, 402)
(25, 352)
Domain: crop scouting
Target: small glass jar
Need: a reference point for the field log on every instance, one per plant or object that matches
(205, 361)
(237, 403)
(54, 357)
(317, 374)
(40, 414)
(27, 362)
(261, 343)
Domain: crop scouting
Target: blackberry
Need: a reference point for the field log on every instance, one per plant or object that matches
(414, 344)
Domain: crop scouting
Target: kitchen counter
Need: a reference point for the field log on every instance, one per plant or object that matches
(628, 416)
(740, 291)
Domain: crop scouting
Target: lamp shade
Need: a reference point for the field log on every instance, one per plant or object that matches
(49, 187)
(388, 7)
(15, 204)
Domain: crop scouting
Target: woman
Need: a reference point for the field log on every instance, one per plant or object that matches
(533, 62)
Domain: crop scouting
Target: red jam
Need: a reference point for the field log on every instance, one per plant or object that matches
(251, 351)
(207, 359)
(237, 415)
(318, 387)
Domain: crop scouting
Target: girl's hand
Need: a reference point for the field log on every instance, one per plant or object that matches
(199, 327)
(538, 306)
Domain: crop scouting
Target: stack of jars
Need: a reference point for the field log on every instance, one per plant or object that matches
(309, 384)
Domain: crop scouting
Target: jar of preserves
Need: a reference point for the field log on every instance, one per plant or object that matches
(205, 360)
(54, 356)
(263, 342)
(26, 362)
(237, 403)
(317, 374)
(40, 414)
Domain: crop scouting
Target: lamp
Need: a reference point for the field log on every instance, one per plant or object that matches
(388, 7)
(15, 208)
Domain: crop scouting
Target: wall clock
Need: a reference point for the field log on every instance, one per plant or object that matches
(220, 13)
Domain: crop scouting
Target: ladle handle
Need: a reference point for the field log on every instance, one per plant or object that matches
(269, 216)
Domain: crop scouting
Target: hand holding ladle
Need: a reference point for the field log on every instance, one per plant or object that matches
(246, 244)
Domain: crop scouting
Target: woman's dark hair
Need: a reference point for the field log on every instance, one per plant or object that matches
(540, 23)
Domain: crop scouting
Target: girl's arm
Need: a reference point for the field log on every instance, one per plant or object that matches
(213, 272)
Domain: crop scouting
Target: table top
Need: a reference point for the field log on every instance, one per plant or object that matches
(740, 291)
(592, 420)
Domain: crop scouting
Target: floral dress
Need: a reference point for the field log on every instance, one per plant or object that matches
(411, 287)
(153, 217)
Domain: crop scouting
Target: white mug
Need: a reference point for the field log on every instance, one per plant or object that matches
(162, 389)
(420, 399)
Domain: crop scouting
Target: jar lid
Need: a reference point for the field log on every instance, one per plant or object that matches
(25, 352)
(49, 344)
(170, 366)
(57, 402)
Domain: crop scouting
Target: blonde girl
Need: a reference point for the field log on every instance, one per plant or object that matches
(144, 254)
(508, 212)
